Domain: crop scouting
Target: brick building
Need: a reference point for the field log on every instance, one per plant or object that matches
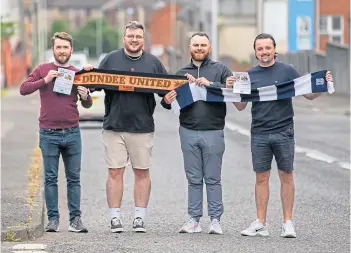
(333, 18)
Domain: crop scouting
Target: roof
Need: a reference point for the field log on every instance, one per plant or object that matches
(95, 4)
(79, 4)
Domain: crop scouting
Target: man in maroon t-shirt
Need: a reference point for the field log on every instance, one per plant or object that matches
(59, 131)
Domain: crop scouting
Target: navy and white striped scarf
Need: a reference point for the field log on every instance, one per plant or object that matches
(312, 83)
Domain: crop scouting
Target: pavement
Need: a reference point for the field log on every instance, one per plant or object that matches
(21, 180)
(336, 104)
(322, 179)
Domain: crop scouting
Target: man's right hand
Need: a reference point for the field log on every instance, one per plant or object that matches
(229, 82)
(191, 79)
(170, 97)
(51, 75)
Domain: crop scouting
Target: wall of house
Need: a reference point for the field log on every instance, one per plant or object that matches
(236, 41)
(336, 8)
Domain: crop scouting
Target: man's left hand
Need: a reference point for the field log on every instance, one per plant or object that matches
(329, 77)
(88, 67)
(202, 81)
(83, 92)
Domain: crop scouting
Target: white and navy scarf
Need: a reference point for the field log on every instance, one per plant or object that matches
(312, 83)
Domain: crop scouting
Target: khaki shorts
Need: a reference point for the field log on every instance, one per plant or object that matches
(122, 148)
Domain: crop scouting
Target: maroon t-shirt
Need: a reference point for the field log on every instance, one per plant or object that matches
(56, 110)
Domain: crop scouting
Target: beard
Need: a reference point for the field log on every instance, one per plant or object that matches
(266, 59)
(196, 57)
(134, 48)
(61, 58)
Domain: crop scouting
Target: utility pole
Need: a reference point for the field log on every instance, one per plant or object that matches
(99, 34)
(173, 37)
(35, 33)
(99, 31)
(214, 30)
(259, 16)
(317, 32)
(21, 7)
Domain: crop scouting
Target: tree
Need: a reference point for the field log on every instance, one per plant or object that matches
(7, 28)
(57, 26)
(86, 37)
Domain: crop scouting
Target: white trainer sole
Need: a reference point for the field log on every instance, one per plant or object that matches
(117, 230)
(139, 230)
(259, 233)
(197, 230)
(213, 232)
(288, 235)
(76, 230)
(52, 230)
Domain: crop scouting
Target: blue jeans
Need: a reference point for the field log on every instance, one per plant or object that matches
(66, 142)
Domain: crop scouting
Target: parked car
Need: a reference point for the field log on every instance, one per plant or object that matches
(96, 111)
(78, 60)
(101, 57)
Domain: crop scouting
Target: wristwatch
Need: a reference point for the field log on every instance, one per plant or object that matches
(211, 83)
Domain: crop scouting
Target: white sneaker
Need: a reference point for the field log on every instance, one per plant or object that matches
(288, 230)
(215, 227)
(192, 226)
(256, 229)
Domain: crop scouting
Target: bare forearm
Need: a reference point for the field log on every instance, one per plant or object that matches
(312, 96)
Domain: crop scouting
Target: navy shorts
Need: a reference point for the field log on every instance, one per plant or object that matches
(281, 145)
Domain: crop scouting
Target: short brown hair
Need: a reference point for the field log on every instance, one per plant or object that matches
(134, 25)
(201, 34)
(62, 36)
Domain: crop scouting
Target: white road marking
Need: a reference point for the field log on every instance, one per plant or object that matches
(311, 153)
(30, 251)
(345, 165)
(315, 154)
(32, 246)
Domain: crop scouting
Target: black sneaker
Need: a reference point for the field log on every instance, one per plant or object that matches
(53, 226)
(138, 225)
(116, 225)
(77, 226)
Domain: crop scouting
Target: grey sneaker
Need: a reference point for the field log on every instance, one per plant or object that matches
(116, 225)
(138, 225)
(77, 226)
(288, 230)
(53, 226)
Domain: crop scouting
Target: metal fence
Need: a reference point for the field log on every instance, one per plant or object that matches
(336, 59)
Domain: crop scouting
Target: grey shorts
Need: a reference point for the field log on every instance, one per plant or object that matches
(281, 145)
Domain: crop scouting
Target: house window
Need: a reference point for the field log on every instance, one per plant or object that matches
(336, 23)
(333, 27)
(336, 39)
